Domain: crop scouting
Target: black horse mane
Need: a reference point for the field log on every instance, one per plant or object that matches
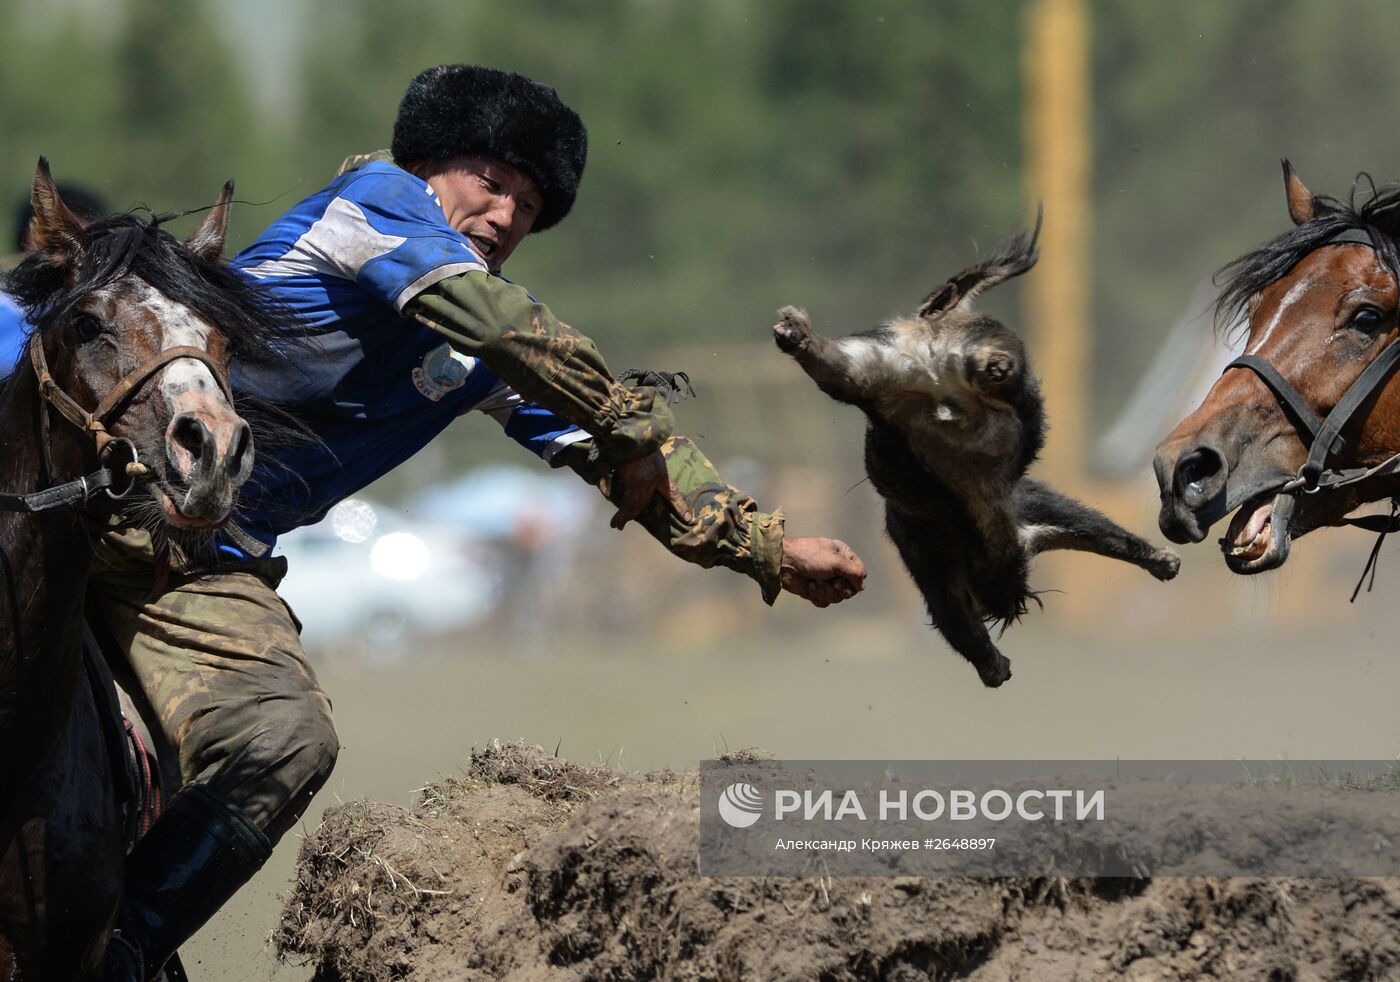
(132, 243)
(1378, 216)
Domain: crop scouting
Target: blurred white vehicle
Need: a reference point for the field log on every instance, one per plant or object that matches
(537, 522)
(369, 581)
(501, 502)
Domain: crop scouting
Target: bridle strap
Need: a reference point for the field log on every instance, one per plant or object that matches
(53, 394)
(1303, 416)
(94, 423)
(120, 392)
(1325, 435)
(1328, 439)
(1325, 438)
(72, 493)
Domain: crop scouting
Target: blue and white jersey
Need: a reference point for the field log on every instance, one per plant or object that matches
(374, 386)
(14, 331)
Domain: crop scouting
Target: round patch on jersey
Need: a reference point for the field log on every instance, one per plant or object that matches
(443, 370)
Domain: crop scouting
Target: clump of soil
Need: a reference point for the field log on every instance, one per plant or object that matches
(535, 868)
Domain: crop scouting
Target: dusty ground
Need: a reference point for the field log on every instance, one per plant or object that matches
(856, 689)
(533, 868)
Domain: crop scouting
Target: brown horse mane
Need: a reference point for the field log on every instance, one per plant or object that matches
(1377, 215)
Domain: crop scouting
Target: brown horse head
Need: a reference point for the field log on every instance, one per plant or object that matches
(109, 298)
(1321, 303)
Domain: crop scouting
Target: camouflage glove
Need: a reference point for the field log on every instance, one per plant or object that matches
(545, 360)
(726, 527)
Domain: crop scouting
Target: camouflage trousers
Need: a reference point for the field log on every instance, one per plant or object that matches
(219, 660)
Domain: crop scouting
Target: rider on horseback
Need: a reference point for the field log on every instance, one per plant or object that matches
(394, 270)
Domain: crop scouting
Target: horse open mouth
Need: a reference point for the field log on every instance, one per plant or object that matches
(1259, 534)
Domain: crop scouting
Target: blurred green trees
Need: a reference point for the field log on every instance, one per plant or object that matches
(745, 153)
(145, 102)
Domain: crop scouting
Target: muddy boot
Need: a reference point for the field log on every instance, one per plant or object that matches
(195, 858)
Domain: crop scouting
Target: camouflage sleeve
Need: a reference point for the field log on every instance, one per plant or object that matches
(727, 529)
(545, 360)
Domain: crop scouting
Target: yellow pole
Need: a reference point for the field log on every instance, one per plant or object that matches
(1058, 141)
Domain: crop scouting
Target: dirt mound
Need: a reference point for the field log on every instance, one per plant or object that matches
(535, 868)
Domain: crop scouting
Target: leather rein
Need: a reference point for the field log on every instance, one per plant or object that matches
(1324, 435)
(121, 468)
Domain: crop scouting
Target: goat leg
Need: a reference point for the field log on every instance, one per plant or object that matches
(948, 596)
(841, 368)
(1050, 520)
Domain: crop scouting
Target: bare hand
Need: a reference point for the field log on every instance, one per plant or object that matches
(635, 482)
(821, 571)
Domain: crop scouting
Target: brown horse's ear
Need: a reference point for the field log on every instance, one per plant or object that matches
(207, 241)
(54, 230)
(1300, 199)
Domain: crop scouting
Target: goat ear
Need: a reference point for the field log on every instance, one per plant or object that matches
(1012, 258)
(54, 230)
(1300, 199)
(944, 299)
(207, 241)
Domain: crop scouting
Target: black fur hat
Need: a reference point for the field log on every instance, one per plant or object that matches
(460, 109)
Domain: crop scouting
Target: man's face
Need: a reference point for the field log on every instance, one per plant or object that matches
(491, 203)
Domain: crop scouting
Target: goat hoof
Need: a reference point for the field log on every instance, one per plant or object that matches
(994, 366)
(1164, 564)
(793, 330)
(996, 673)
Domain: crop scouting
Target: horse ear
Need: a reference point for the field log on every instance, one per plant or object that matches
(54, 229)
(1300, 199)
(207, 241)
(1012, 258)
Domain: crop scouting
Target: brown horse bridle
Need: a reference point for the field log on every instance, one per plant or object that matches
(121, 467)
(1324, 436)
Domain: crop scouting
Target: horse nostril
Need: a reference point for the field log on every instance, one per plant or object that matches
(242, 452)
(190, 434)
(1200, 476)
